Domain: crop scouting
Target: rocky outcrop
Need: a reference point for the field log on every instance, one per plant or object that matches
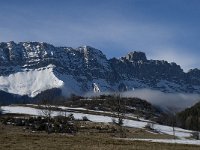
(135, 56)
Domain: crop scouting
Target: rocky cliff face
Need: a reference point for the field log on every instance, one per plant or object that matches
(28, 68)
(137, 72)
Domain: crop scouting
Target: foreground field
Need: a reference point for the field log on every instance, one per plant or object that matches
(16, 138)
(98, 117)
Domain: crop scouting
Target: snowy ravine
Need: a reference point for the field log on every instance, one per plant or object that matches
(181, 133)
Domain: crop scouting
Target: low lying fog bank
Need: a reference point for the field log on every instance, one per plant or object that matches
(172, 101)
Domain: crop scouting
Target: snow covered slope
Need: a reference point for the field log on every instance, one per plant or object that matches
(30, 82)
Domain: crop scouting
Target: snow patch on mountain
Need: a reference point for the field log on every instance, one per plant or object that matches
(96, 88)
(30, 82)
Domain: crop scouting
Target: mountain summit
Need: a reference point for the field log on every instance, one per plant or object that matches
(136, 56)
(29, 68)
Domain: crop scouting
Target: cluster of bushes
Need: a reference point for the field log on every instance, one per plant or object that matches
(101, 128)
(57, 124)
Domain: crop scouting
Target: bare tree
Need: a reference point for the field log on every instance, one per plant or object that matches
(47, 111)
(173, 125)
(120, 110)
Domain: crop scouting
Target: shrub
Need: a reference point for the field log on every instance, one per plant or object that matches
(84, 118)
(196, 135)
(71, 117)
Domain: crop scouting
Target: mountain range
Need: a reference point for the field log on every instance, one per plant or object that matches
(29, 68)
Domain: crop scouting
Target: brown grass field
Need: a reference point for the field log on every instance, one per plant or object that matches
(16, 138)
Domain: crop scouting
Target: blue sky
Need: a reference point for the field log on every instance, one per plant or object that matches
(163, 29)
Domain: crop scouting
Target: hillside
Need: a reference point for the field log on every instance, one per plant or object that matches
(190, 118)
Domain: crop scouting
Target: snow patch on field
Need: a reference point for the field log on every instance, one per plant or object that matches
(38, 112)
(168, 130)
(181, 133)
(182, 141)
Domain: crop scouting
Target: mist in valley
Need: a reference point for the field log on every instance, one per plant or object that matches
(170, 101)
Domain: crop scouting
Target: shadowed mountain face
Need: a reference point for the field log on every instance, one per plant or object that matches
(28, 68)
